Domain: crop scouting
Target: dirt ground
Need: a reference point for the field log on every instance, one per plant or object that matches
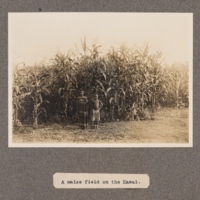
(170, 126)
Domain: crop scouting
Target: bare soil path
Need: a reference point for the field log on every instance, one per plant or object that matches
(170, 126)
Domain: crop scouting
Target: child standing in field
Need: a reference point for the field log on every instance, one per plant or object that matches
(96, 106)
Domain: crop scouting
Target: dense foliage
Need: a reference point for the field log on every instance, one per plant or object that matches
(129, 83)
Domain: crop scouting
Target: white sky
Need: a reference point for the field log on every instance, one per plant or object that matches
(34, 37)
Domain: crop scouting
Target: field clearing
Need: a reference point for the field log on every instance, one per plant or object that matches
(170, 126)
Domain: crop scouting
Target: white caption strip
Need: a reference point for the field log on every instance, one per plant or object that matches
(83, 180)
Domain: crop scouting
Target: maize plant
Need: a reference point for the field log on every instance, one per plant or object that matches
(20, 91)
(177, 85)
(37, 83)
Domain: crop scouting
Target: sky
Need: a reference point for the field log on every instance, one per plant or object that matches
(35, 37)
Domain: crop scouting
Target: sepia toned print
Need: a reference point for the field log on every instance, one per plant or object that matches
(100, 79)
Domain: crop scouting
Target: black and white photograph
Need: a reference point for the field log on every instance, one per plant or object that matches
(100, 79)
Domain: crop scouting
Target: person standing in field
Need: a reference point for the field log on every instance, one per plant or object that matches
(81, 109)
(96, 106)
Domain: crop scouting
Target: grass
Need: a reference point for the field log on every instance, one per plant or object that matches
(170, 126)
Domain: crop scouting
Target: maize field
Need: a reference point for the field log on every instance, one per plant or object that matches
(131, 83)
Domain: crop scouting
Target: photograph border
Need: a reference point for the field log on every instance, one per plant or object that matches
(100, 145)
